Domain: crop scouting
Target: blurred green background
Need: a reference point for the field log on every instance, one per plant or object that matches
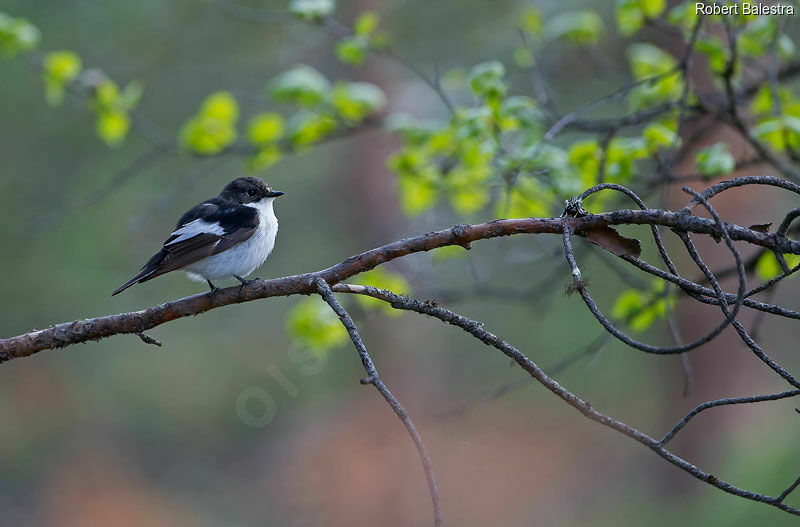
(230, 423)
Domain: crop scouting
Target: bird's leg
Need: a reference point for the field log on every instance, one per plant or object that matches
(214, 288)
(245, 282)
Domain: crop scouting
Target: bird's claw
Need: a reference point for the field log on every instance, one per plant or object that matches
(245, 282)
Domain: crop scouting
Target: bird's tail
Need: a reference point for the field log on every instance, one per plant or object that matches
(149, 271)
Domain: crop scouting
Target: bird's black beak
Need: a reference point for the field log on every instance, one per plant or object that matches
(274, 193)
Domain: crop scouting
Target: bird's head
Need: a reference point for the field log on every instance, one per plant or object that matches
(248, 190)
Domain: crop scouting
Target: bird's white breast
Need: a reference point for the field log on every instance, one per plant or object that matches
(243, 258)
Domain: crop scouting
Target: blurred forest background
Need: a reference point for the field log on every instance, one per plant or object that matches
(121, 433)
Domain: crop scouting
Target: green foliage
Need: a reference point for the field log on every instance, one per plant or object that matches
(639, 309)
(366, 23)
(683, 15)
(767, 266)
(113, 108)
(586, 156)
(714, 48)
(486, 80)
(17, 35)
(621, 156)
(306, 127)
(632, 14)
(531, 21)
(757, 36)
(312, 324)
(782, 131)
(354, 49)
(323, 106)
(354, 101)
(715, 160)
(265, 128)
(657, 136)
(382, 279)
(213, 127)
(311, 10)
(649, 62)
(764, 101)
(301, 85)
(576, 27)
(263, 131)
(59, 68)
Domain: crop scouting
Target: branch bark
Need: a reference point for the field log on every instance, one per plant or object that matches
(78, 331)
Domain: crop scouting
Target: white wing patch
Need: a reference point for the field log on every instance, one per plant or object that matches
(195, 227)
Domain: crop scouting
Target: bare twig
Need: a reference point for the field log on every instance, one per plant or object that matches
(374, 379)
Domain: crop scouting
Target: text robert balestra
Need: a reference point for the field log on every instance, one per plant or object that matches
(744, 8)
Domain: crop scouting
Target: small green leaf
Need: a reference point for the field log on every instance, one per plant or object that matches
(577, 27)
(353, 101)
(221, 105)
(757, 36)
(715, 160)
(531, 21)
(265, 128)
(302, 85)
(352, 50)
(60, 67)
(306, 127)
(106, 94)
(628, 304)
(771, 131)
(112, 127)
(632, 14)
(658, 136)
(311, 323)
(767, 266)
(17, 35)
(213, 128)
(366, 23)
(683, 15)
(648, 60)
(716, 51)
(312, 10)
(486, 79)
(586, 156)
(131, 95)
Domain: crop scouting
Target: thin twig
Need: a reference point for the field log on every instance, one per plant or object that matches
(374, 379)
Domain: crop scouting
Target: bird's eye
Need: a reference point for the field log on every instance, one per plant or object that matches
(251, 192)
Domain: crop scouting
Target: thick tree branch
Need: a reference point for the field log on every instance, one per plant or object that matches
(68, 333)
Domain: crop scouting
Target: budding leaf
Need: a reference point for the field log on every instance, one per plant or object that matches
(715, 160)
(302, 85)
(60, 67)
(312, 10)
(577, 27)
(265, 128)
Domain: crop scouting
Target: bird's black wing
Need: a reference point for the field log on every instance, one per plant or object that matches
(206, 229)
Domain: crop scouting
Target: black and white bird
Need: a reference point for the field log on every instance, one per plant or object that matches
(227, 236)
